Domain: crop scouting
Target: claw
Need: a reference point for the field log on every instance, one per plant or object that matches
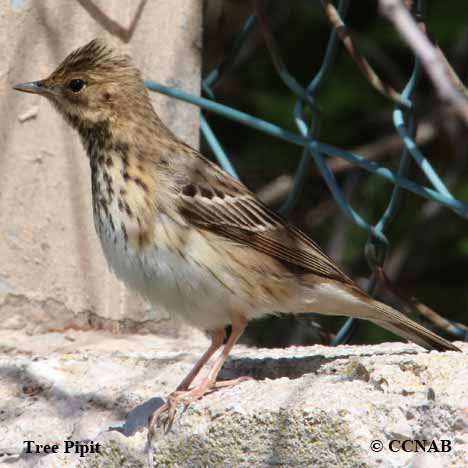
(165, 415)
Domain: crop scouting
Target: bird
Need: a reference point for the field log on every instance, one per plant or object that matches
(187, 236)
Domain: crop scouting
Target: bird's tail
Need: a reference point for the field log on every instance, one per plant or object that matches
(336, 298)
(401, 325)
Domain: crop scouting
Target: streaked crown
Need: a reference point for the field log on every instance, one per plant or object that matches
(94, 83)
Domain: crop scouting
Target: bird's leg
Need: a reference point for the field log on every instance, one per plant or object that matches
(186, 395)
(217, 339)
(209, 382)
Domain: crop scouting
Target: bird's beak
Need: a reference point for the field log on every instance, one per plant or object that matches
(34, 87)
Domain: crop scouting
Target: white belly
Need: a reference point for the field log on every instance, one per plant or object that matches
(179, 285)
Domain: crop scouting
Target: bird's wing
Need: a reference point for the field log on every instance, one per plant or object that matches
(216, 202)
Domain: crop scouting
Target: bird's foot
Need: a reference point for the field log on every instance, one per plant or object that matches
(232, 382)
(164, 416)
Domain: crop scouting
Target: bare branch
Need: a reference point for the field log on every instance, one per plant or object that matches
(365, 67)
(432, 58)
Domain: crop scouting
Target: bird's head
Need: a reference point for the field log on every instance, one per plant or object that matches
(93, 84)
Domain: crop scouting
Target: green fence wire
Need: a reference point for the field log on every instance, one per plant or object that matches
(315, 151)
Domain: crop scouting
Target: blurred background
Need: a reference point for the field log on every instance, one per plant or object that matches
(428, 255)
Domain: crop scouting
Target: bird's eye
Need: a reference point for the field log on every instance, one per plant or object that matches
(76, 85)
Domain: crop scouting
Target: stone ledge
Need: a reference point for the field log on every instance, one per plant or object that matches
(314, 406)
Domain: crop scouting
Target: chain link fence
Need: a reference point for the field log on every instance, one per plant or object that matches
(314, 151)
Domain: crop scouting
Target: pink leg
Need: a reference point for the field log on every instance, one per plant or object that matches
(238, 327)
(216, 343)
(183, 394)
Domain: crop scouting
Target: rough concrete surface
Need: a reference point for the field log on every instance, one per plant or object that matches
(308, 407)
(53, 274)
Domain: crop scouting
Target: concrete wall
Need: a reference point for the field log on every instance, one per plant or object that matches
(309, 407)
(52, 272)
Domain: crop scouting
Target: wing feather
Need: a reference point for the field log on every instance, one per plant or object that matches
(233, 212)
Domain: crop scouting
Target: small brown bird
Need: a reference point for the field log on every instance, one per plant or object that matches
(186, 235)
